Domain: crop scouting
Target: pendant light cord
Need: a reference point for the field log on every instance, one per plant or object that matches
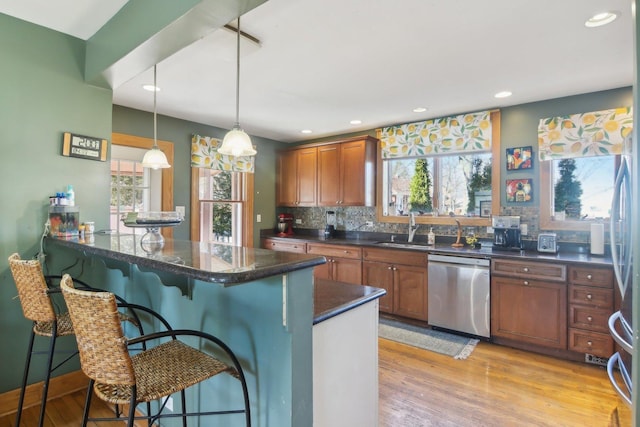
(155, 119)
(237, 125)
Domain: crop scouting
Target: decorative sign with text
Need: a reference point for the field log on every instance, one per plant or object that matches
(84, 147)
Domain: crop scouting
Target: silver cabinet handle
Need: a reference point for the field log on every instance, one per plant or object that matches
(589, 276)
(390, 268)
(589, 343)
(589, 319)
(526, 269)
(526, 283)
(589, 297)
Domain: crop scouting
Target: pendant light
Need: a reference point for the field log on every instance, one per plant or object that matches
(236, 142)
(155, 158)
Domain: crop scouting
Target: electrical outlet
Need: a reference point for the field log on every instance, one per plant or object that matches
(169, 404)
(258, 218)
(524, 229)
(489, 230)
(180, 210)
(298, 221)
(369, 223)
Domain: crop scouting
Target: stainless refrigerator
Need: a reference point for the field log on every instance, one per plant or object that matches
(621, 322)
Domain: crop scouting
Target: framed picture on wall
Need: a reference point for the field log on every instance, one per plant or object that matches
(519, 158)
(519, 190)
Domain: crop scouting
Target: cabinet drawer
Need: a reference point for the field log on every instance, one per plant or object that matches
(594, 297)
(341, 251)
(590, 342)
(529, 269)
(395, 256)
(600, 277)
(279, 245)
(592, 319)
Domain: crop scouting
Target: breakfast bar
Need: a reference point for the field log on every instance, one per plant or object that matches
(259, 302)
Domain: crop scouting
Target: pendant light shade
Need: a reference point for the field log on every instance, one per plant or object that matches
(236, 142)
(155, 158)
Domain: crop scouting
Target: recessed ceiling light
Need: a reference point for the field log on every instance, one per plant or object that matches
(419, 110)
(356, 122)
(503, 94)
(151, 88)
(306, 131)
(600, 19)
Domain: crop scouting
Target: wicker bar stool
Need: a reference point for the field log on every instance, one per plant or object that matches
(120, 378)
(34, 292)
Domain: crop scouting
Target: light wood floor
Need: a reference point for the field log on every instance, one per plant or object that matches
(495, 386)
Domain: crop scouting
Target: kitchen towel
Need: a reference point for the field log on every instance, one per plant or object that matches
(597, 239)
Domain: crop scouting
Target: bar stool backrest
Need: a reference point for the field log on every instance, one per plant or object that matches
(101, 342)
(32, 289)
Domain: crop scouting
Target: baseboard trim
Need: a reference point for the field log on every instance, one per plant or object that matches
(58, 386)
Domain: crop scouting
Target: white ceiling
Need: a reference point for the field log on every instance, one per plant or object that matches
(322, 63)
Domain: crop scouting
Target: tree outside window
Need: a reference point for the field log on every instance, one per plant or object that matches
(568, 190)
(420, 188)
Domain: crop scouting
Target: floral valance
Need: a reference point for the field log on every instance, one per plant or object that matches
(204, 154)
(599, 133)
(455, 134)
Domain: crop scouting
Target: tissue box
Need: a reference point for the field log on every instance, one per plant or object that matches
(64, 221)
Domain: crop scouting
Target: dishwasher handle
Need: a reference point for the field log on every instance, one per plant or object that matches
(448, 259)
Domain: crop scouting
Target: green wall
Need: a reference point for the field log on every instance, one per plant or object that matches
(140, 123)
(43, 95)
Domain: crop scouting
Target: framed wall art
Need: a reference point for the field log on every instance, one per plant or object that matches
(519, 190)
(519, 158)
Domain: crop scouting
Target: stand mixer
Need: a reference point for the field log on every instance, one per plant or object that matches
(285, 224)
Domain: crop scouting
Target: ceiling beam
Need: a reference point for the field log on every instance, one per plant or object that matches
(144, 32)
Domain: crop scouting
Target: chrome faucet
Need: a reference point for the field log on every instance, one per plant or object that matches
(413, 227)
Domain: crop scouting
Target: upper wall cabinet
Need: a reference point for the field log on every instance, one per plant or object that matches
(297, 177)
(345, 174)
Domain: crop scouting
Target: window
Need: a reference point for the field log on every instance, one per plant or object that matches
(579, 191)
(220, 207)
(133, 188)
(438, 185)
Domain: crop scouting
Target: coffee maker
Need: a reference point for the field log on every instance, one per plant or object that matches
(285, 224)
(506, 233)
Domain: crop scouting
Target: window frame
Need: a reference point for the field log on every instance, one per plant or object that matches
(166, 202)
(445, 219)
(547, 220)
(247, 186)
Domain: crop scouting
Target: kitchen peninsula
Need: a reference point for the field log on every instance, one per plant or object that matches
(260, 302)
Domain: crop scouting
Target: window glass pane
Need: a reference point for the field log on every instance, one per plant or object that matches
(583, 187)
(441, 184)
(221, 222)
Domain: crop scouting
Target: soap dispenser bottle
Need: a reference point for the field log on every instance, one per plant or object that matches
(431, 237)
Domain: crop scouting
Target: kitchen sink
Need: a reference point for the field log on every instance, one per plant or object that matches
(398, 245)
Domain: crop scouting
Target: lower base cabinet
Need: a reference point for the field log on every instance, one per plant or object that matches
(403, 274)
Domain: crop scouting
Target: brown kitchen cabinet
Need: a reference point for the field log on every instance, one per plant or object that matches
(344, 263)
(403, 274)
(338, 173)
(297, 177)
(591, 302)
(284, 246)
(346, 173)
(529, 302)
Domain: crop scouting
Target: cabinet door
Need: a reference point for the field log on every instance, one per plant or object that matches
(287, 176)
(346, 270)
(307, 176)
(529, 311)
(380, 275)
(323, 271)
(329, 175)
(410, 291)
(352, 178)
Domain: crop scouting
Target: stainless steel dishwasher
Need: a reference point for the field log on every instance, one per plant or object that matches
(459, 294)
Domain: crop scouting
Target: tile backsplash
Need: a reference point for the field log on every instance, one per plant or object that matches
(356, 218)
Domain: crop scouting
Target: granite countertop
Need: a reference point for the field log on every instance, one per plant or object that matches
(573, 255)
(222, 264)
(333, 298)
